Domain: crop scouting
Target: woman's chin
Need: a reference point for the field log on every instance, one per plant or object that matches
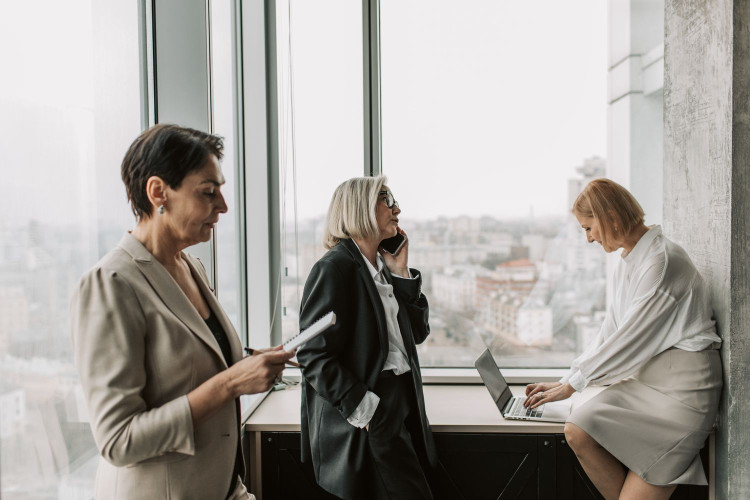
(204, 235)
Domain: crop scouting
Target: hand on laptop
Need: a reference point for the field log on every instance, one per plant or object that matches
(546, 392)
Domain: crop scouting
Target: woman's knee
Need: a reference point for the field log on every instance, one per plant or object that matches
(577, 438)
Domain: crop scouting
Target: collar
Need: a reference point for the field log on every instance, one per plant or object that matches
(640, 248)
(135, 248)
(381, 262)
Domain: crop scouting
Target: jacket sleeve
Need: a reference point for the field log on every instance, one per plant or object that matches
(410, 292)
(325, 291)
(108, 330)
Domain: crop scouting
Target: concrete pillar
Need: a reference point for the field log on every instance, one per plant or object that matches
(635, 148)
(707, 193)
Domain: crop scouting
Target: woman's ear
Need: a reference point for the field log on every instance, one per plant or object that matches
(156, 190)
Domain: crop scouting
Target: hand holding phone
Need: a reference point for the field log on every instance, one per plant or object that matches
(394, 244)
(395, 252)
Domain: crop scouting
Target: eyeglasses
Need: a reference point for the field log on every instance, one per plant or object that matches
(390, 202)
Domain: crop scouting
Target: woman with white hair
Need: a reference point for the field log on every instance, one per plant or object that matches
(640, 437)
(364, 425)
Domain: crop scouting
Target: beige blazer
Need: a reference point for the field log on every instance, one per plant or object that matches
(140, 347)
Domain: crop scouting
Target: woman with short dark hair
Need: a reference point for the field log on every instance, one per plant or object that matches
(160, 363)
(640, 437)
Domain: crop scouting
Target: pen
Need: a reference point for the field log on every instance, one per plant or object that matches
(250, 351)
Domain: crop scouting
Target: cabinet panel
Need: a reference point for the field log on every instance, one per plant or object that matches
(481, 466)
(491, 466)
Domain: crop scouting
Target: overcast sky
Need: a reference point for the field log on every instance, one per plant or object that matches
(487, 105)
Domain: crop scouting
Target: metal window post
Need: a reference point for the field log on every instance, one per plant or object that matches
(371, 83)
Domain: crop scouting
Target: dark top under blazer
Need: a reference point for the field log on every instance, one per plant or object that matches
(344, 362)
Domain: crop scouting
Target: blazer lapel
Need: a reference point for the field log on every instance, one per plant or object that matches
(377, 304)
(168, 291)
(213, 303)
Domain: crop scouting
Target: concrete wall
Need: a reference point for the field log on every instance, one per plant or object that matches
(707, 192)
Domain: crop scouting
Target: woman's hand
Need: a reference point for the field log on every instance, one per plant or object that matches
(250, 375)
(398, 264)
(532, 389)
(546, 392)
(258, 372)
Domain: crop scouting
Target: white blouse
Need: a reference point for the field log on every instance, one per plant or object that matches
(397, 360)
(659, 301)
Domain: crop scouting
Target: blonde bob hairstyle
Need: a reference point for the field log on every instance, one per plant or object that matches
(352, 210)
(612, 206)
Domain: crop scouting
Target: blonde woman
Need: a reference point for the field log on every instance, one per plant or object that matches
(640, 437)
(364, 426)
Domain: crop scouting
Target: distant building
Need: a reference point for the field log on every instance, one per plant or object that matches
(581, 255)
(534, 324)
(512, 317)
(519, 252)
(455, 288)
(12, 410)
(515, 270)
(499, 312)
(14, 314)
(536, 244)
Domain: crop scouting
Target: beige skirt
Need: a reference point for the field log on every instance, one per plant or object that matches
(657, 421)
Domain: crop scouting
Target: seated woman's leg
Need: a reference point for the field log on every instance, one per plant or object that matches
(635, 488)
(604, 470)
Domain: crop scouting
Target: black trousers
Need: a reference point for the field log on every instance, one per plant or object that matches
(395, 442)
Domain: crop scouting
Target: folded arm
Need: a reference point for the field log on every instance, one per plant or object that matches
(417, 308)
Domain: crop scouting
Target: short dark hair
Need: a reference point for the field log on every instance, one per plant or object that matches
(169, 152)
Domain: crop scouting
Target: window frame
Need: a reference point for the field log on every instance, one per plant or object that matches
(257, 23)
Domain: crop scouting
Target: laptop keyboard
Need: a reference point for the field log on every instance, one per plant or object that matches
(517, 409)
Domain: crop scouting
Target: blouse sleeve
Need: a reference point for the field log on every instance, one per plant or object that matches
(645, 331)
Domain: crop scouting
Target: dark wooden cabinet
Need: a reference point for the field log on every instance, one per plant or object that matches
(482, 466)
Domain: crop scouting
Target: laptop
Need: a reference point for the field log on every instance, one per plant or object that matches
(511, 407)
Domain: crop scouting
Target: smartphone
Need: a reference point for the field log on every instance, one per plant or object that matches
(393, 245)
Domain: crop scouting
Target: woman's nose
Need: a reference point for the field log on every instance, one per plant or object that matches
(222, 205)
(396, 210)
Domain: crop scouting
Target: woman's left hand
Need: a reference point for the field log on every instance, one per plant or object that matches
(398, 264)
(555, 394)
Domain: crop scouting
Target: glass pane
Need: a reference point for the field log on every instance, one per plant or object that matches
(70, 108)
(321, 130)
(493, 117)
(229, 274)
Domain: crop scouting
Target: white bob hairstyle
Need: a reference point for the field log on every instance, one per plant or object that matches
(352, 210)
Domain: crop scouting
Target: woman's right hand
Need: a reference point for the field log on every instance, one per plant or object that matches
(532, 389)
(257, 373)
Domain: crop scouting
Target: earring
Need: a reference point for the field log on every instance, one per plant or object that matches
(161, 210)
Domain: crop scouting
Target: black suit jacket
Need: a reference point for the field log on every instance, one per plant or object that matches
(344, 362)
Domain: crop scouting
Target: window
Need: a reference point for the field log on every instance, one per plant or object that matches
(493, 118)
(229, 232)
(320, 133)
(70, 110)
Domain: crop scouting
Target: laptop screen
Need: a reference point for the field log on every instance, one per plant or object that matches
(493, 379)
